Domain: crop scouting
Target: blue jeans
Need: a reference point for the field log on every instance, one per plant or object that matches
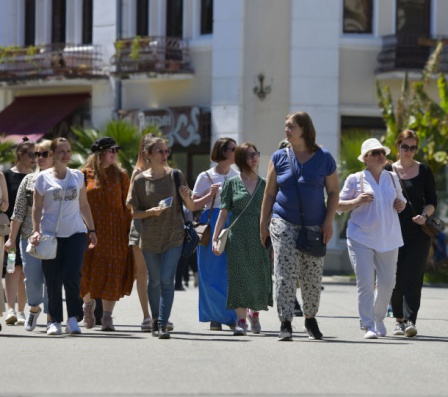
(161, 275)
(36, 289)
(65, 270)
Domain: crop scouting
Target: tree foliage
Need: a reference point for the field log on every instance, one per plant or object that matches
(416, 110)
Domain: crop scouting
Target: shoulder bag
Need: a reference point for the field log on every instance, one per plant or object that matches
(309, 241)
(48, 244)
(433, 225)
(222, 237)
(203, 229)
(191, 239)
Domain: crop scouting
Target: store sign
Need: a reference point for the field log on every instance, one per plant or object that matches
(178, 125)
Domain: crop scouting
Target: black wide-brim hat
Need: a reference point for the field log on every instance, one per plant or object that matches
(104, 143)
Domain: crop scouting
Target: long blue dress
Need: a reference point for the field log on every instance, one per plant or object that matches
(212, 271)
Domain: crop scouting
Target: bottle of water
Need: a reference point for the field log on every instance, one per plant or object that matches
(11, 264)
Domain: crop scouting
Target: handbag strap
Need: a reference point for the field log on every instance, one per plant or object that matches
(62, 201)
(302, 218)
(179, 197)
(247, 205)
(213, 200)
(404, 190)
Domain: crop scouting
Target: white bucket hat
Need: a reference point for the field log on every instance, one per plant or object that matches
(371, 144)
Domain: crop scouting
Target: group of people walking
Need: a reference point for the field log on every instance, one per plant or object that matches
(112, 229)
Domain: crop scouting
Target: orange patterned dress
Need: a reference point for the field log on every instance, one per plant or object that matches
(108, 269)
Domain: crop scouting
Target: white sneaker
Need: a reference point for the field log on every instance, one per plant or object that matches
(398, 329)
(410, 329)
(146, 325)
(380, 328)
(11, 318)
(54, 329)
(71, 327)
(20, 318)
(370, 334)
(31, 320)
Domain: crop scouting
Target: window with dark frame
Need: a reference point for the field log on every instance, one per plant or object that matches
(87, 21)
(358, 15)
(30, 22)
(142, 22)
(413, 17)
(174, 18)
(58, 21)
(206, 16)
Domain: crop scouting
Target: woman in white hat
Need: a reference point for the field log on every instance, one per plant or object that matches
(373, 235)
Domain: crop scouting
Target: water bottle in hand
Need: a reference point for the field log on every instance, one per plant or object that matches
(11, 264)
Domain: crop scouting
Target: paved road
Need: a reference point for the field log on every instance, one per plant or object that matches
(197, 361)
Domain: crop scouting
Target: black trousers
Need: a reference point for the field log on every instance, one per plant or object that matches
(411, 264)
(65, 270)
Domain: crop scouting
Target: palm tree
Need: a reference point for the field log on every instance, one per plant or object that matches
(7, 155)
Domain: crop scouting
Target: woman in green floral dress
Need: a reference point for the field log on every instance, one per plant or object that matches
(249, 266)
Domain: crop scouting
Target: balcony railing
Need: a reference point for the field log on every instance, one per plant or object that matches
(52, 61)
(151, 55)
(408, 53)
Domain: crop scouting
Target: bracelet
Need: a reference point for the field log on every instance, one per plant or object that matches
(91, 231)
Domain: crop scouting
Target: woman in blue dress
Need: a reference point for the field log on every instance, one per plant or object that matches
(212, 269)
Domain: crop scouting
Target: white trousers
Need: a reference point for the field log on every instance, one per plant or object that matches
(372, 305)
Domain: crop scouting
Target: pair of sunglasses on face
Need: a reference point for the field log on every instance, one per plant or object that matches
(406, 148)
(33, 155)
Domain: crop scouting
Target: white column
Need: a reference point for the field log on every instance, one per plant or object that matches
(315, 31)
(227, 69)
(74, 22)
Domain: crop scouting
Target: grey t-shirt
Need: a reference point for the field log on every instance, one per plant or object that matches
(159, 233)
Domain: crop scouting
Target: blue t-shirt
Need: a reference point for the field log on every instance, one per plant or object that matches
(312, 183)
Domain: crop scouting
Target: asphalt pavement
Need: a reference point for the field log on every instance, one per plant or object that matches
(197, 361)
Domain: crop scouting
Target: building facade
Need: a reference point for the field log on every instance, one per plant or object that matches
(202, 69)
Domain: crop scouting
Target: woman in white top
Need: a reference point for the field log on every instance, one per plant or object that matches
(374, 234)
(56, 187)
(212, 269)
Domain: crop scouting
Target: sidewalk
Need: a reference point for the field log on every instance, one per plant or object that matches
(197, 361)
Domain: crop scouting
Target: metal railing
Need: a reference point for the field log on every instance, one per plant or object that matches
(155, 54)
(408, 53)
(52, 61)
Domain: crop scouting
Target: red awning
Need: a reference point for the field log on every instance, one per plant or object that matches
(34, 116)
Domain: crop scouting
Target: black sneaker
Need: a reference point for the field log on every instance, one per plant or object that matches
(297, 309)
(215, 326)
(312, 329)
(285, 331)
(164, 334)
(155, 329)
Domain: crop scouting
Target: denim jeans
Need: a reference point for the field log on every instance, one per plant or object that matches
(161, 274)
(65, 270)
(36, 289)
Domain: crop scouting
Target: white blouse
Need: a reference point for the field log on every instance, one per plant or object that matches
(374, 224)
(202, 185)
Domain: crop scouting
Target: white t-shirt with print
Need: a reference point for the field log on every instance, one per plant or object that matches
(202, 185)
(51, 189)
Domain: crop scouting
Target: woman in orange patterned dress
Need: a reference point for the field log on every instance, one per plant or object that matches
(108, 270)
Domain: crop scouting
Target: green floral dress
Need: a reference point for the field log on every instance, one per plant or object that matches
(248, 263)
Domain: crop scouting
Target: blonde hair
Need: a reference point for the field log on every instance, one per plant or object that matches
(44, 145)
(99, 173)
(142, 163)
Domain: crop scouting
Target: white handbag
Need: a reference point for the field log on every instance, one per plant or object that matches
(48, 244)
(46, 249)
(222, 240)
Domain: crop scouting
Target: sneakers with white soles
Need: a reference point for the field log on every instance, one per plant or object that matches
(20, 318)
(370, 334)
(410, 329)
(31, 320)
(72, 327)
(398, 329)
(285, 331)
(255, 325)
(241, 328)
(54, 329)
(11, 318)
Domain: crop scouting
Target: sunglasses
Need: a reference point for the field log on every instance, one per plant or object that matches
(31, 155)
(406, 148)
(41, 154)
(232, 149)
(376, 153)
(252, 155)
(112, 150)
(161, 151)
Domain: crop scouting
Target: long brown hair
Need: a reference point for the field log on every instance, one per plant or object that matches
(99, 173)
(303, 120)
(241, 156)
